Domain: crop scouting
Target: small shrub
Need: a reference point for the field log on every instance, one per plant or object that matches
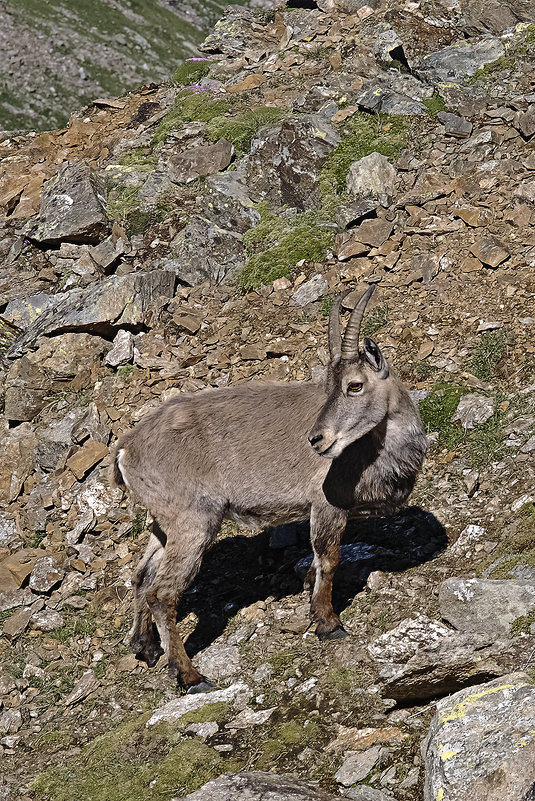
(491, 349)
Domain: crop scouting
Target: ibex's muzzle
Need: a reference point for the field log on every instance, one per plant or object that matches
(322, 440)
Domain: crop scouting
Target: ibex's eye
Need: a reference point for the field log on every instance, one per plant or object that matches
(354, 388)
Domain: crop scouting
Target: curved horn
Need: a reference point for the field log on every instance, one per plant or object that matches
(335, 336)
(350, 342)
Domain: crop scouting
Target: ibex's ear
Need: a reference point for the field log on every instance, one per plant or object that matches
(374, 357)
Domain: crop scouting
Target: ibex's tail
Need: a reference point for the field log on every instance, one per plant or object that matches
(118, 477)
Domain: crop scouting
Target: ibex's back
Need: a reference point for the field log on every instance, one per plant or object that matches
(245, 453)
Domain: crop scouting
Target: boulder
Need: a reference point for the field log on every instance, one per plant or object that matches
(372, 177)
(203, 251)
(18, 459)
(71, 209)
(286, 160)
(486, 606)
(455, 62)
(481, 744)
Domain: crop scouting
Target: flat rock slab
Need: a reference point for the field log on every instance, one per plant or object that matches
(71, 210)
(481, 744)
(99, 308)
(258, 786)
(490, 250)
(473, 410)
(458, 60)
(484, 605)
(187, 703)
(199, 161)
(454, 125)
(357, 766)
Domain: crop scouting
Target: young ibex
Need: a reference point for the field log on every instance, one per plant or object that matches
(267, 453)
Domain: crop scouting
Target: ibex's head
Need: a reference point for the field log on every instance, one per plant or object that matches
(357, 385)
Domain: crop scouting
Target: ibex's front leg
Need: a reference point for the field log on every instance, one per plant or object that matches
(327, 525)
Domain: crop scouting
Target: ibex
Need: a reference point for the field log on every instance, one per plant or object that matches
(267, 453)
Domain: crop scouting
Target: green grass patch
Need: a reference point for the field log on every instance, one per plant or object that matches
(362, 134)
(276, 244)
(435, 104)
(78, 623)
(241, 128)
(490, 351)
(139, 159)
(436, 411)
(36, 539)
(517, 547)
(189, 108)
(375, 320)
(191, 72)
(131, 763)
(423, 369)
(522, 624)
(520, 45)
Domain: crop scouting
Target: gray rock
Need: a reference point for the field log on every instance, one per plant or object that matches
(219, 660)
(199, 161)
(481, 743)
(85, 685)
(258, 786)
(203, 251)
(286, 159)
(47, 620)
(526, 122)
(23, 311)
(45, 574)
(122, 350)
(484, 605)
(100, 308)
(454, 125)
(8, 532)
(227, 202)
(473, 410)
(372, 176)
(310, 290)
(379, 98)
(463, 58)
(10, 721)
(364, 793)
(407, 638)
(10, 599)
(71, 210)
(107, 253)
(357, 765)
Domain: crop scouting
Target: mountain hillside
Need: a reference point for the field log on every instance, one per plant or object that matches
(193, 235)
(59, 55)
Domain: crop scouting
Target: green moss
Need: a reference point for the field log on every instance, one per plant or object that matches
(218, 712)
(189, 108)
(436, 411)
(276, 244)
(191, 72)
(130, 763)
(241, 128)
(491, 349)
(362, 134)
(522, 624)
(517, 547)
(375, 320)
(36, 539)
(423, 369)
(53, 738)
(287, 739)
(283, 661)
(140, 159)
(435, 104)
(519, 46)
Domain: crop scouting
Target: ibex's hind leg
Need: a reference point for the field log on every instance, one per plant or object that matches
(143, 640)
(326, 528)
(187, 539)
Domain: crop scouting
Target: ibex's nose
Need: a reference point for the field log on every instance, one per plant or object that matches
(315, 439)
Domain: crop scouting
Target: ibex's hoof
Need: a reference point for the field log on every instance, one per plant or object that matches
(336, 634)
(203, 686)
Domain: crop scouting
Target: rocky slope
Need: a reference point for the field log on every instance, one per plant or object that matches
(194, 235)
(57, 56)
